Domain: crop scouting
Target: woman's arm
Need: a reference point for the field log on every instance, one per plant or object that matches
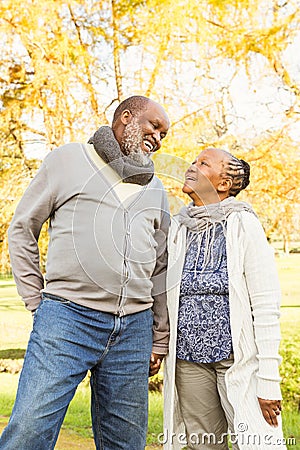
(263, 286)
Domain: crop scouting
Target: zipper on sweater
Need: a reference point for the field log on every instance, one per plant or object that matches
(126, 269)
(127, 245)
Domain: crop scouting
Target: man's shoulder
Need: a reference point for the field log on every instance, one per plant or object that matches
(66, 151)
(67, 148)
(157, 183)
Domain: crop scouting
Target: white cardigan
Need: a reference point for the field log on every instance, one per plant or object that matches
(254, 298)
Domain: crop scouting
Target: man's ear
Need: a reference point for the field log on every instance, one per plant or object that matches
(225, 185)
(126, 117)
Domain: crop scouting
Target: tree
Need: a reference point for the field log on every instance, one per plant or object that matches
(67, 63)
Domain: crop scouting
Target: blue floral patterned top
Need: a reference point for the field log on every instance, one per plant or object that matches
(204, 333)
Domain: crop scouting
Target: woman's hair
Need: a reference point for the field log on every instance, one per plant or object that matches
(239, 171)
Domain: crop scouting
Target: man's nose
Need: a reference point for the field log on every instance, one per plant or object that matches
(157, 139)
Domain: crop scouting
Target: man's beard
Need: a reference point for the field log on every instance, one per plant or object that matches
(131, 144)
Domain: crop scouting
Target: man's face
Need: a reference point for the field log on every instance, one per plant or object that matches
(144, 133)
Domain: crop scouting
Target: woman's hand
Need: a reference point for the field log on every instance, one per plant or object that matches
(270, 410)
(155, 362)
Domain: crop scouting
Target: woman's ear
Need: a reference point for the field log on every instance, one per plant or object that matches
(225, 185)
(126, 117)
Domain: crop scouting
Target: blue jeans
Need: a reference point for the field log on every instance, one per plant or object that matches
(67, 340)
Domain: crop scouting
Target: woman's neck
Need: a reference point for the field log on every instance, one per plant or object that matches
(207, 199)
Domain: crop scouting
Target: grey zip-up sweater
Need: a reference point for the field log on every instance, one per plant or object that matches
(106, 252)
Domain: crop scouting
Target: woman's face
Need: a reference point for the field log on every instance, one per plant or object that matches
(204, 178)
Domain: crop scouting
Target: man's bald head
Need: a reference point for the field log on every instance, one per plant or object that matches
(135, 104)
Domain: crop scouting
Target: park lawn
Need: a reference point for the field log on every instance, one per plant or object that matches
(15, 326)
(289, 274)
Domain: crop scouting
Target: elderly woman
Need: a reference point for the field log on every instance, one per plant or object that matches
(221, 374)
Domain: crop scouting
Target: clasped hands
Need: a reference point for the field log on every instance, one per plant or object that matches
(155, 363)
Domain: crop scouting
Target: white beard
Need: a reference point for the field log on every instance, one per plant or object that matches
(131, 144)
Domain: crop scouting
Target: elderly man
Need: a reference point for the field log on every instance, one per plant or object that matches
(102, 307)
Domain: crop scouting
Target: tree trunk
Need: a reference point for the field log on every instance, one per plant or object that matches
(286, 246)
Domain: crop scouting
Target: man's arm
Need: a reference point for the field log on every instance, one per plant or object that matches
(160, 312)
(33, 210)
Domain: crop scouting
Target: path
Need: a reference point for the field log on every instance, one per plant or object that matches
(69, 440)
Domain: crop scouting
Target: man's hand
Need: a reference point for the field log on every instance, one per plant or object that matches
(155, 362)
(270, 410)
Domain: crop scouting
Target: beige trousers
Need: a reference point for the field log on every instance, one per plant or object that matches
(205, 408)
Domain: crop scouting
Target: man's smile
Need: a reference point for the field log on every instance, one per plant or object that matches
(150, 147)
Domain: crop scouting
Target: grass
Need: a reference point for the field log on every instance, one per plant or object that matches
(15, 326)
(155, 421)
(289, 269)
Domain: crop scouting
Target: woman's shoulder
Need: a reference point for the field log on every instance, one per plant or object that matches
(246, 217)
(176, 231)
(176, 224)
(246, 223)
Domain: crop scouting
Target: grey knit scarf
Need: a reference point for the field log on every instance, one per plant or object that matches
(199, 218)
(201, 221)
(127, 168)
